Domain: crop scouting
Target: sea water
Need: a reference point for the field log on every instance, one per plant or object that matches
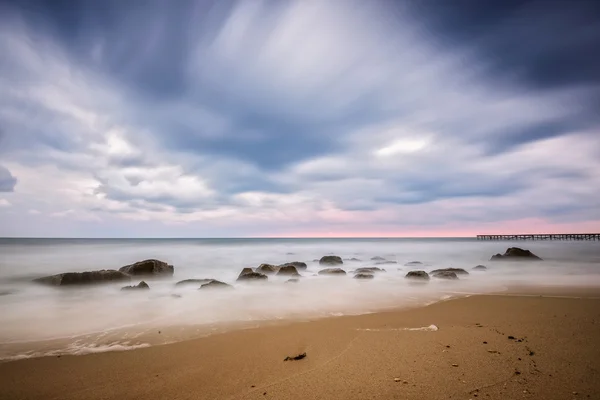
(36, 320)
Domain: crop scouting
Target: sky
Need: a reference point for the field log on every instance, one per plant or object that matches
(299, 118)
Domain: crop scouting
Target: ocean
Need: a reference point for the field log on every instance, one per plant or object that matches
(38, 321)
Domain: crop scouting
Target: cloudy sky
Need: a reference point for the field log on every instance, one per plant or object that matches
(309, 118)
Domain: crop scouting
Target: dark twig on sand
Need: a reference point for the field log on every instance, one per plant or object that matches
(298, 357)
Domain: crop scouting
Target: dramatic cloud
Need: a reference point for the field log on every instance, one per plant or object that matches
(298, 118)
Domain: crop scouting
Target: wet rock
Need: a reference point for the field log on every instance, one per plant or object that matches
(293, 280)
(386, 262)
(141, 286)
(515, 254)
(84, 278)
(377, 258)
(480, 268)
(298, 264)
(368, 270)
(252, 276)
(214, 284)
(330, 260)
(445, 275)
(267, 269)
(288, 270)
(193, 282)
(332, 271)
(413, 264)
(246, 271)
(457, 271)
(363, 276)
(418, 275)
(148, 267)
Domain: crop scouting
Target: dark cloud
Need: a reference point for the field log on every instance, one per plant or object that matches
(7, 181)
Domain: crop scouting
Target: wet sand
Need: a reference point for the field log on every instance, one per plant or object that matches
(554, 353)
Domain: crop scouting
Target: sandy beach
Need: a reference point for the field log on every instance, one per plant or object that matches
(520, 345)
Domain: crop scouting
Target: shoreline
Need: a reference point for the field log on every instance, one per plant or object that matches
(561, 327)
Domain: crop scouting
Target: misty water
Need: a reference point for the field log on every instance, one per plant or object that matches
(37, 320)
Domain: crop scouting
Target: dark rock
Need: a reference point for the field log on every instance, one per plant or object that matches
(295, 358)
(418, 275)
(267, 269)
(516, 254)
(246, 271)
(368, 270)
(377, 258)
(293, 280)
(252, 276)
(214, 284)
(142, 285)
(193, 282)
(363, 276)
(444, 275)
(297, 264)
(288, 270)
(413, 264)
(386, 262)
(330, 260)
(148, 267)
(84, 278)
(6, 293)
(332, 271)
(457, 271)
(480, 268)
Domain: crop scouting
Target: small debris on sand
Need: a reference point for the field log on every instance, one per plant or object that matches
(455, 365)
(298, 357)
(397, 379)
(511, 338)
(484, 342)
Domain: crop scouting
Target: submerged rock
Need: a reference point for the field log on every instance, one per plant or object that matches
(84, 278)
(214, 284)
(516, 254)
(331, 260)
(386, 262)
(417, 275)
(288, 270)
(352, 259)
(252, 276)
(297, 264)
(332, 271)
(413, 263)
(363, 276)
(293, 280)
(444, 275)
(457, 271)
(480, 268)
(267, 268)
(368, 270)
(377, 258)
(148, 267)
(193, 282)
(142, 285)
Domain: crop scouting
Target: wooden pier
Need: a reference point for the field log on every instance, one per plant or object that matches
(543, 236)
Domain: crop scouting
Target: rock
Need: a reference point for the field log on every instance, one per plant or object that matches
(330, 260)
(363, 276)
(332, 271)
(148, 267)
(293, 280)
(353, 259)
(516, 254)
(418, 275)
(295, 358)
(457, 271)
(386, 262)
(480, 268)
(444, 275)
(368, 270)
(214, 284)
(252, 276)
(193, 282)
(84, 278)
(267, 269)
(141, 285)
(288, 270)
(377, 258)
(246, 271)
(413, 264)
(297, 264)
